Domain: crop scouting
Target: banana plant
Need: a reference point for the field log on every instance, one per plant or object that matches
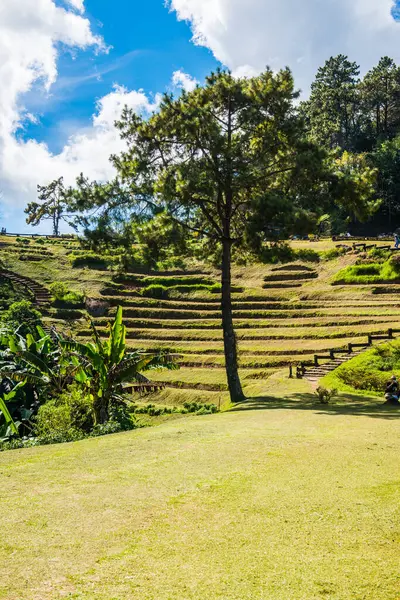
(11, 427)
(105, 365)
(41, 362)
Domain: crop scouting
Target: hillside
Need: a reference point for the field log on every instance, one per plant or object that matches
(284, 314)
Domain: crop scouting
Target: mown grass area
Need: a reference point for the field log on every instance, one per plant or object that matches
(370, 272)
(279, 499)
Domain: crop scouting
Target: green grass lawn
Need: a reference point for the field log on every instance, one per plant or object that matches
(279, 500)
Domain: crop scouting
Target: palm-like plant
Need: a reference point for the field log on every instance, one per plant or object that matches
(105, 365)
(40, 362)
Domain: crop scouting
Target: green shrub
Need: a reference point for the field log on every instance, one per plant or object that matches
(40, 241)
(74, 299)
(58, 290)
(154, 410)
(379, 254)
(325, 395)
(92, 261)
(64, 297)
(307, 256)
(66, 417)
(332, 254)
(22, 316)
(283, 253)
(277, 253)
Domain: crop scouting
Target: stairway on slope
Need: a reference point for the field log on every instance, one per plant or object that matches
(314, 374)
(41, 294)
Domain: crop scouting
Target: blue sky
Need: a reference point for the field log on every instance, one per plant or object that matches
(60, 92)
(146, 45)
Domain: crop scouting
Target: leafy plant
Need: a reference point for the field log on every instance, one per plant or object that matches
(106, 365)
(65, 415)
(325, 395)
(21, 316)
(9, 421)
(58, 290)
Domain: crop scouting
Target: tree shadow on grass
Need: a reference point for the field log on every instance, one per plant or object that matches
(353, 405)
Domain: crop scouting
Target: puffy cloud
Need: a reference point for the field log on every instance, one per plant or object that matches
(184, 81)
(31, 36)
(247, 35)
(77, 4)
(27, 163)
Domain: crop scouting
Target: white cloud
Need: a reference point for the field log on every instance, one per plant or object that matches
(32, 34)
(247, 35)
(25, 164)
(77, 4)
(184, 81)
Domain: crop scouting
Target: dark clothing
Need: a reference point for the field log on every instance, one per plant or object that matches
(392, 387)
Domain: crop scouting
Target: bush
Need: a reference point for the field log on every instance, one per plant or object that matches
(197, 408)
(64, 297)
(74, 299)
(334, 253)
(277, 253)
(325, 395)
(22, 316)
(378, 253)
(58, 289)
(92, 261)
(66, 417)
(40, 241)
(307, 256)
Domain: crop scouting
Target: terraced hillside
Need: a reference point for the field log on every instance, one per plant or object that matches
(283, 314)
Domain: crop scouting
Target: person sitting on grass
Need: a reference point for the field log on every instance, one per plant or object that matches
(392, 390)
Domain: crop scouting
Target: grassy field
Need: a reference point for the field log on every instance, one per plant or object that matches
(279, 499)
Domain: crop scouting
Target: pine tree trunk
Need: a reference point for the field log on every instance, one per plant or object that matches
(230, 347)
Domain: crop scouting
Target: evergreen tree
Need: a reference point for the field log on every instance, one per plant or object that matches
(205, 159)
(386, 159)
(380, 97)
(332, 112)
(52, 205)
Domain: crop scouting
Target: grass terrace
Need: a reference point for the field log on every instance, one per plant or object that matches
(301, 314)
